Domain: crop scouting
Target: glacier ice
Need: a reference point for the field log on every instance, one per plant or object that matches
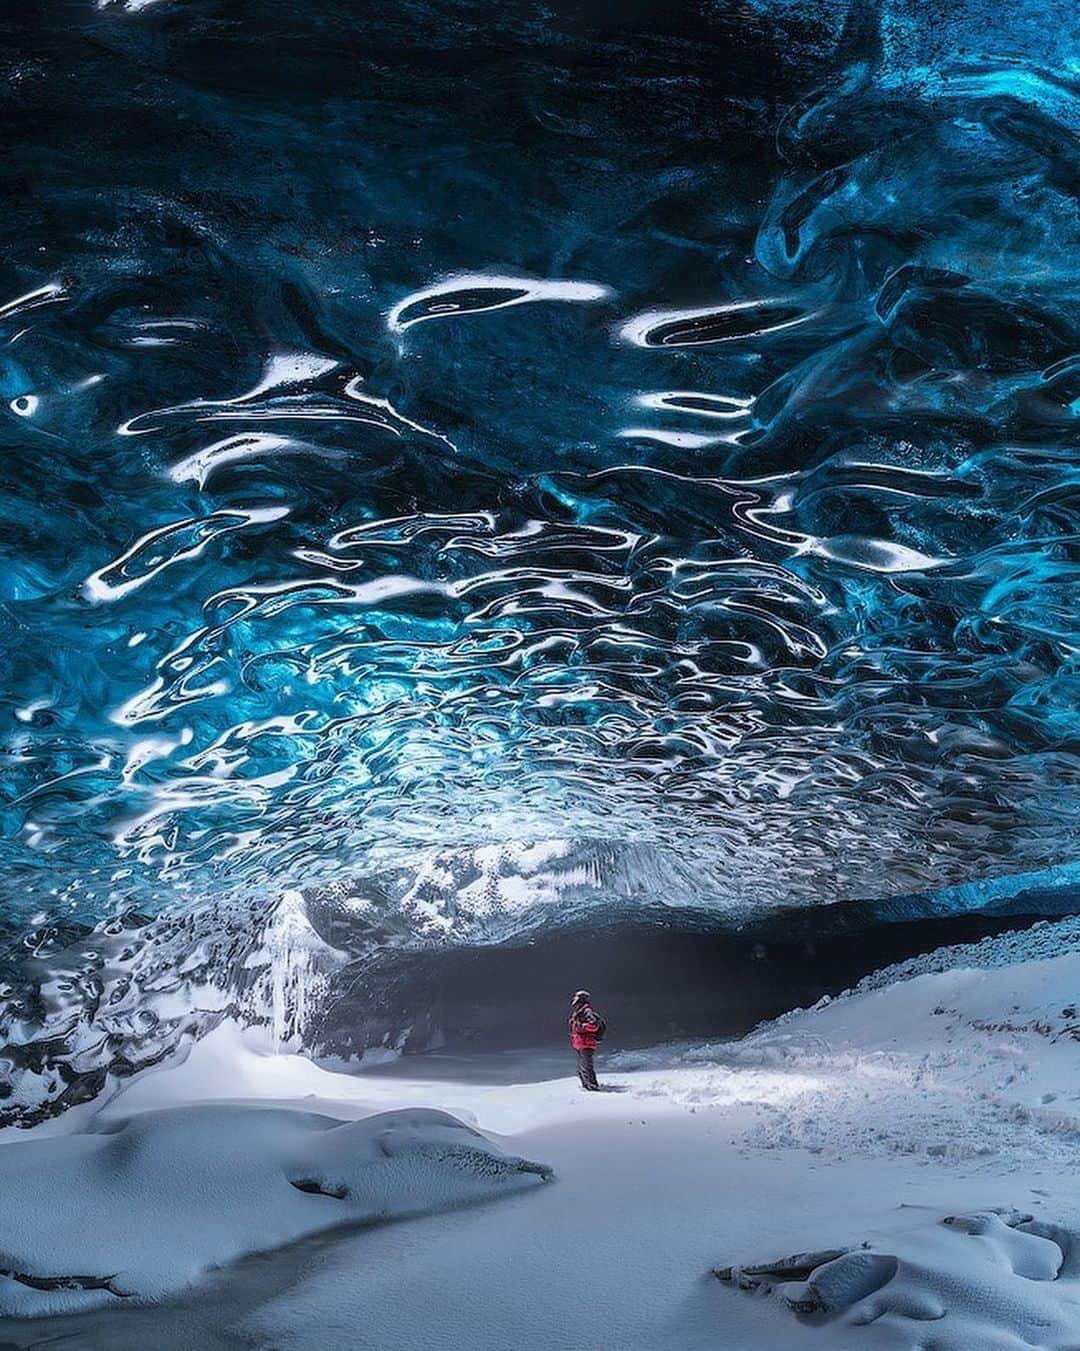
(712, 512)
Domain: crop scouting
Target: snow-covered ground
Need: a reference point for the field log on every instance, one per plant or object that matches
(919, 1139)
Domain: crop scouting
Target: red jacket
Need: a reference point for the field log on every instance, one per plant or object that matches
(586, 1028)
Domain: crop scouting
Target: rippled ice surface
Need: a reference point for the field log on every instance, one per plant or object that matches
(433, 424)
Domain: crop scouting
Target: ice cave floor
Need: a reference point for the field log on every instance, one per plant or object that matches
(913, 1145)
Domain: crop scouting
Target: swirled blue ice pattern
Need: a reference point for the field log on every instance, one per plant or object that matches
(426, 425)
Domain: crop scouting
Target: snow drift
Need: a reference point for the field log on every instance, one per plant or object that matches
(140, 1210)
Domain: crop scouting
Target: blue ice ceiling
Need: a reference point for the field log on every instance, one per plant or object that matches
(427, 425)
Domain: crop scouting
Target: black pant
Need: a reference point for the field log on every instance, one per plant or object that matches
(585, 1069)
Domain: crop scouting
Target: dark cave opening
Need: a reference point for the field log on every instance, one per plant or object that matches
(656, 979)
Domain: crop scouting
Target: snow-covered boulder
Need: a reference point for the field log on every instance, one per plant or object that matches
(985, 1279)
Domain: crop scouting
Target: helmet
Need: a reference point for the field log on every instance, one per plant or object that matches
(580, 997)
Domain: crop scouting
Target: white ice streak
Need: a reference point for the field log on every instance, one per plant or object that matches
(481, 292)
(728, 407)
(203, 463)
(640, 330)
(177, 542)
(51, 293)
(281, 371)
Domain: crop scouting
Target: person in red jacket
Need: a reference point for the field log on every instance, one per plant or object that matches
(586, 1029)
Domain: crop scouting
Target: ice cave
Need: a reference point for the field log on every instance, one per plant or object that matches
(540, 675)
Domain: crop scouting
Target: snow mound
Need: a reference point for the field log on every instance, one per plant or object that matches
(973, 1065)
(987, 1279)
(140, 1210)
